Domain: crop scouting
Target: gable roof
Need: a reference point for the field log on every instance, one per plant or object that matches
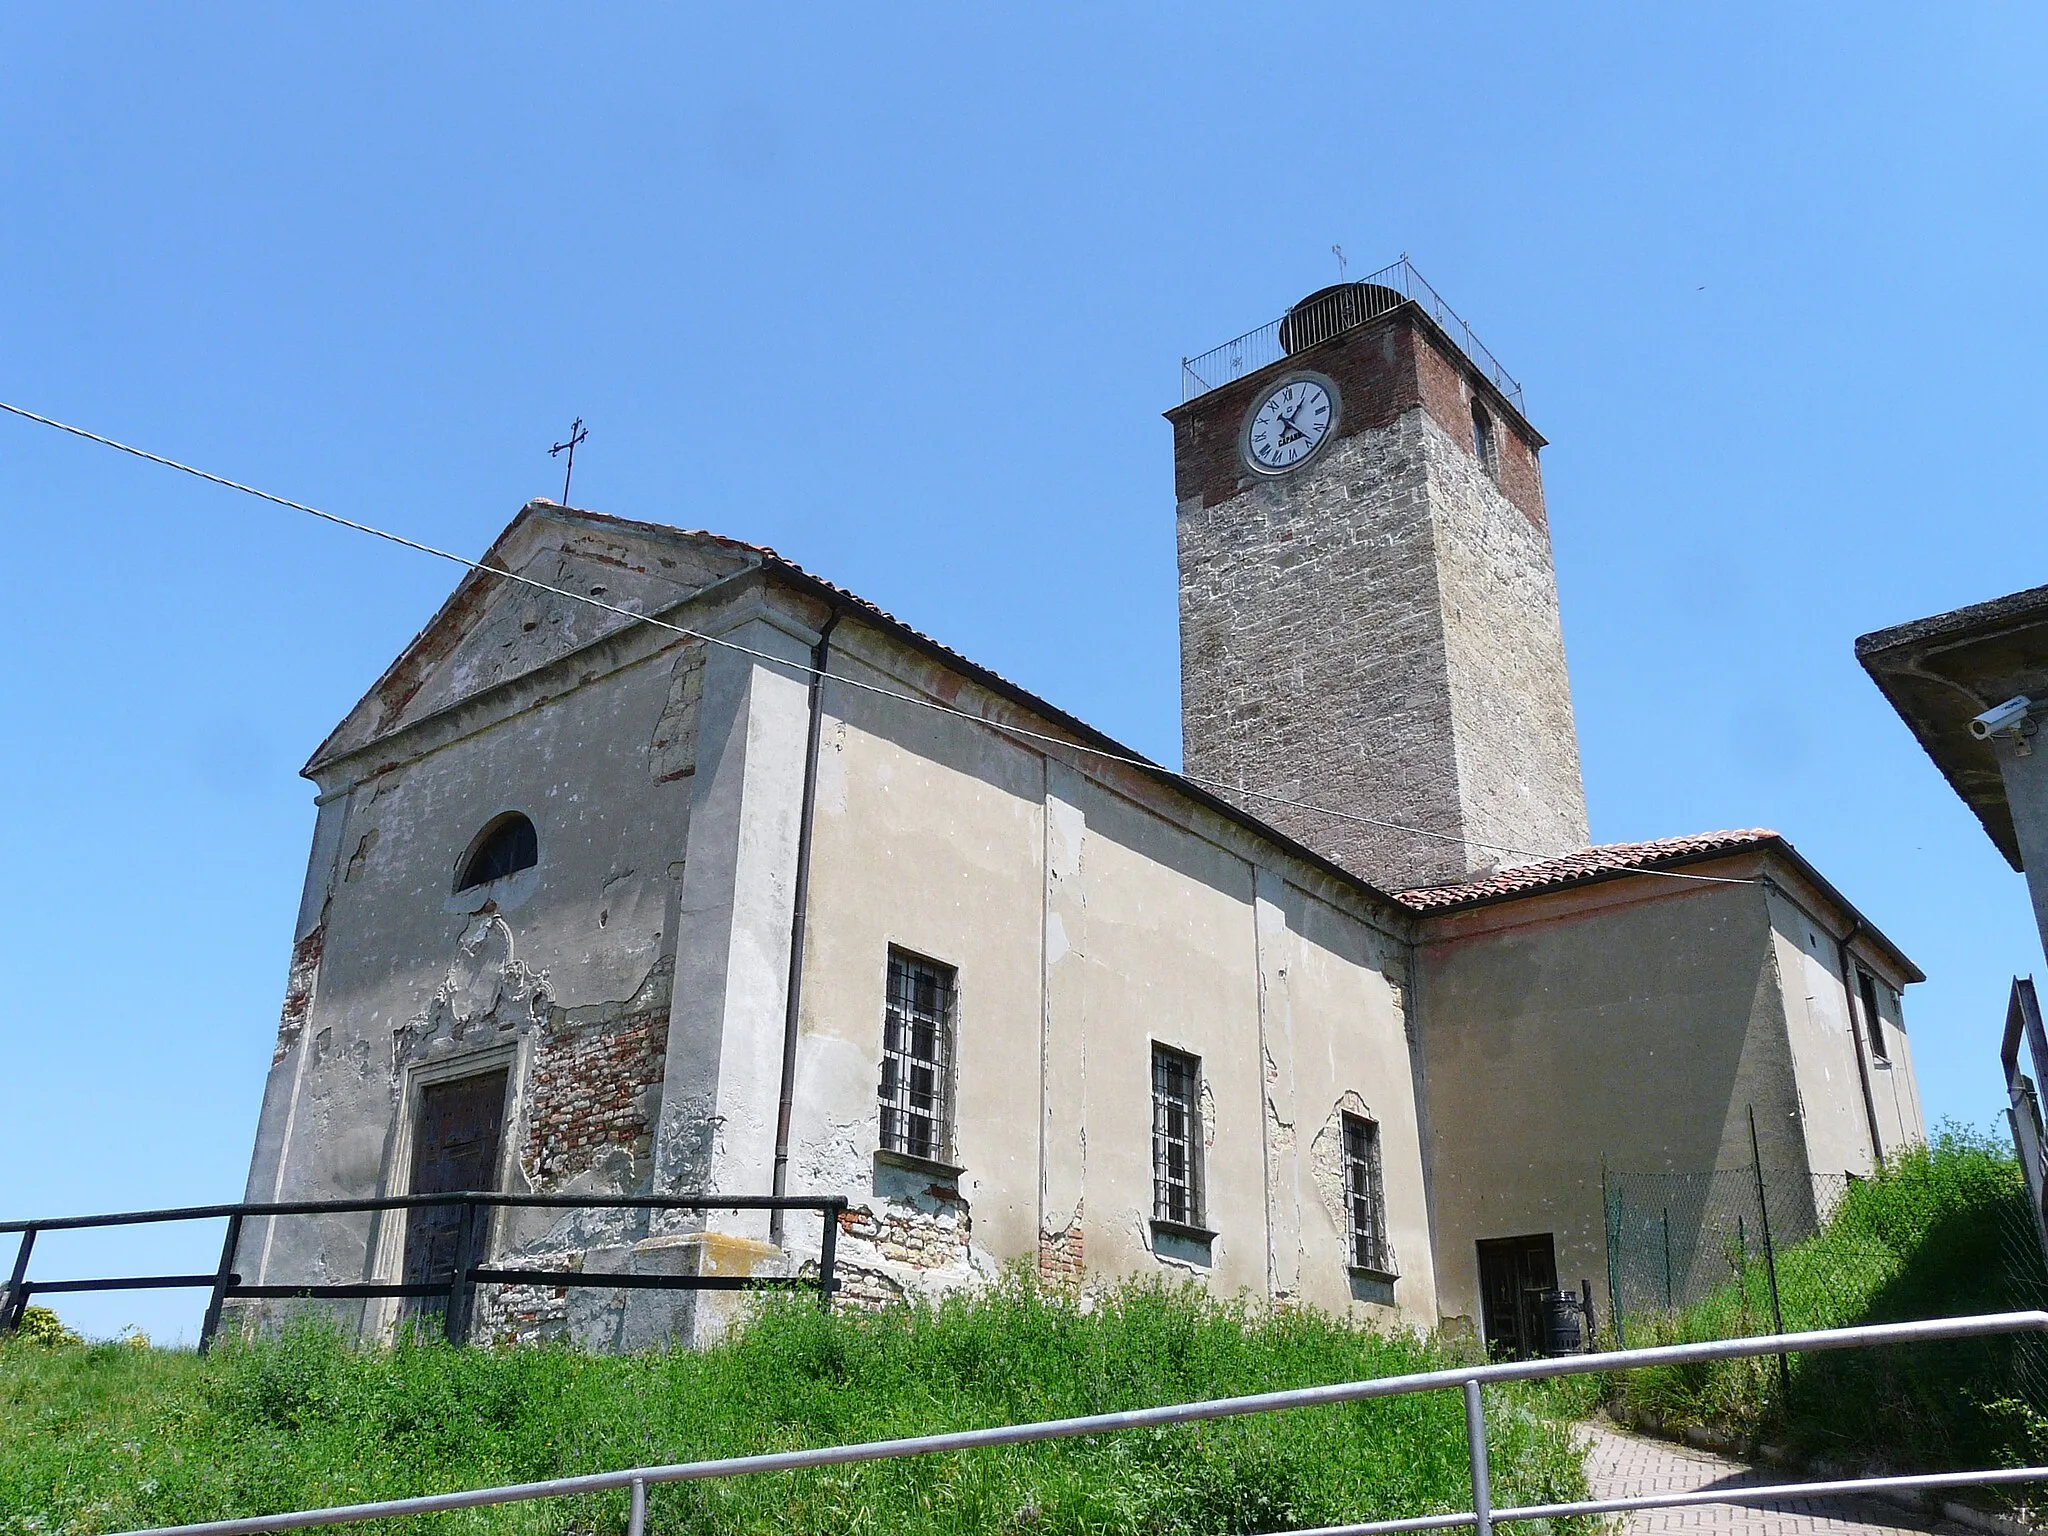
(394, 701)
(473, 642)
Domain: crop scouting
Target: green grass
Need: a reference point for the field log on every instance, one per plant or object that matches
(108, 1437)
(1931, 1236)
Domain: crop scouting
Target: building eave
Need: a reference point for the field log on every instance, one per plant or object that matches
(1938, 672)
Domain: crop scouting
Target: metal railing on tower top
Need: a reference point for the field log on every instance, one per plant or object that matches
(1338, 310)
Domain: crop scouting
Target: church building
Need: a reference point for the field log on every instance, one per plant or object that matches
(778, 894)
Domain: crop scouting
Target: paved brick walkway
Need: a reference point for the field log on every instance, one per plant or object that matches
(1619, 1464)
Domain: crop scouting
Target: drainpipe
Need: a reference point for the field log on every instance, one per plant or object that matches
(1853, 997)
(794, 991)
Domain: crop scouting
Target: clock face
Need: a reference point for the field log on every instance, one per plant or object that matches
(1290, 424)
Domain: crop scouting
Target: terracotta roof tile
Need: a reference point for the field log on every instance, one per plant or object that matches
(1586, 864)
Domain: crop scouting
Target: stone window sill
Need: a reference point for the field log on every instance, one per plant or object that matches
(946, 1171)
(1367, 1272)
(1180, 1229)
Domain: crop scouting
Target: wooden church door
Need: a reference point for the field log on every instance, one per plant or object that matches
(455, 1147)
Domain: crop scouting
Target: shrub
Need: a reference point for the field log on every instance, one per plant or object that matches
(1931, 1235)
(39, 1325)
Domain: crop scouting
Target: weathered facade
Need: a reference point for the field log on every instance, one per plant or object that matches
(632, 981)
(1041, 1002)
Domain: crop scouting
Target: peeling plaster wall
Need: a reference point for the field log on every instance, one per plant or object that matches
(1087, 919)
(1336, 1039)
(927, 836)
(562, 973)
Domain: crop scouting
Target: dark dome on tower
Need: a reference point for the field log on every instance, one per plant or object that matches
(1336, 308)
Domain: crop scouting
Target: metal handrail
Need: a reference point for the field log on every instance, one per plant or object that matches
(1267, 344)
(2029, 1136)
(226, 1284)
(1467, 1379)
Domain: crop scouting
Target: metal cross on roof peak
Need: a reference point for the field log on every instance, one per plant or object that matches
(576, 435)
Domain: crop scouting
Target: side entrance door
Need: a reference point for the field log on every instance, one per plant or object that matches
(1514, 1272)
(455, 1147)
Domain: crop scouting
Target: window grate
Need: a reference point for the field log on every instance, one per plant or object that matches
(1176, 1137)
(1365, 1196)
(917, 1060)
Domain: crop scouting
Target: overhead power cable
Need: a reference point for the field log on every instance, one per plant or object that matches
(1101, 754)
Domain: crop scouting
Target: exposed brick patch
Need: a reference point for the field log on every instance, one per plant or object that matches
(910, 1237)
(1383, 369)
(1447, 392)
(298, 991)
(590, 1092)
(1062, 1255)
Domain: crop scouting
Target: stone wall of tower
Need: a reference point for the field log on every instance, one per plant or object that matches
(1377, 632)
(1313, 659)
(1511, 701)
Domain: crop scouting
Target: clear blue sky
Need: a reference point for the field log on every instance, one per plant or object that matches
(902, 292)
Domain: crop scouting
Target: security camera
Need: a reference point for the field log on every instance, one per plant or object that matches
(2001, 717)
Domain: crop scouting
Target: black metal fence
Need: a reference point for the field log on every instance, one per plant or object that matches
(454, 1294)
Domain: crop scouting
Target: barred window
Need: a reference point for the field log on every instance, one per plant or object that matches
(1365, 1197)
(1176, 1137)
(917, 1060)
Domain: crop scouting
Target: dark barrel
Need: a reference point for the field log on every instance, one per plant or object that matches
(1563, 1333)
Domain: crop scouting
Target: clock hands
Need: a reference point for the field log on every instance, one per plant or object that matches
(1279, 436)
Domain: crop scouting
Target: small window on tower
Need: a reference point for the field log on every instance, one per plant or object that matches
(1482, 437)
(504, 847)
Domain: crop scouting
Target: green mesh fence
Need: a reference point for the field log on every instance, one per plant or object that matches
(1732, 1254)
(2027, 1283)
(1714, 1247)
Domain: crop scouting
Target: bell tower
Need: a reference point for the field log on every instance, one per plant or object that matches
(1368, 607)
